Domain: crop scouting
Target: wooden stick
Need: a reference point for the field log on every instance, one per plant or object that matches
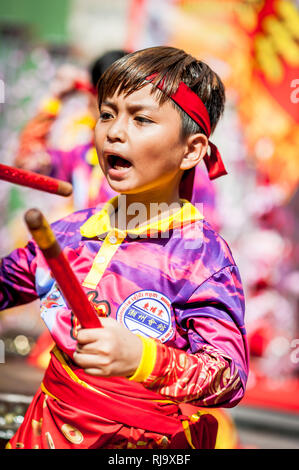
(35, 181)
(61, 270)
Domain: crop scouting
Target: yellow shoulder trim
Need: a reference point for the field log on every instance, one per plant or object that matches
(100, 222)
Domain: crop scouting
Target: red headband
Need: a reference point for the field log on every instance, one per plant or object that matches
(189, 102)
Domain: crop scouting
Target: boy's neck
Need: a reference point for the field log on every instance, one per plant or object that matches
(145, 208)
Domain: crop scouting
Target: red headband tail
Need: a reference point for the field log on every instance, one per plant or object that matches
(214, 163)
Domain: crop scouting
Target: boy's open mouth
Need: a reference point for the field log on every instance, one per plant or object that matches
(118, 163)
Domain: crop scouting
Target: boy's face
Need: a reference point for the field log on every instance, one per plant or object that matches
(139, 143)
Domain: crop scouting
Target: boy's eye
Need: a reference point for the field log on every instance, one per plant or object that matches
(104, 116)
(142, 119)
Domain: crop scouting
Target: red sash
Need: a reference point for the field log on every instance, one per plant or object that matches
(129, 403)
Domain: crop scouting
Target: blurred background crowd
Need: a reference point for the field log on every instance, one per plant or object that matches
(51, 54)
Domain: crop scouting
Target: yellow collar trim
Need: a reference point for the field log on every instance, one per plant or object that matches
(99, 223)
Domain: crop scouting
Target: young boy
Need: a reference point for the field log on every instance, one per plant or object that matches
(165, 283)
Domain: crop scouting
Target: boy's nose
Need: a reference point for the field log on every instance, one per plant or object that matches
(117, 131)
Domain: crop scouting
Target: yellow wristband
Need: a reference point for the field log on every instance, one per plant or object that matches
(147, 361)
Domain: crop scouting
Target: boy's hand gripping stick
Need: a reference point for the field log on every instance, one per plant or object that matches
(35, 181)
(61, 270)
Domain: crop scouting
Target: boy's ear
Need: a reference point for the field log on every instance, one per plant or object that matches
(196, 148)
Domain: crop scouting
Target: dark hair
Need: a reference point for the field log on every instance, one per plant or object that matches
(172, 65)
(98, 67)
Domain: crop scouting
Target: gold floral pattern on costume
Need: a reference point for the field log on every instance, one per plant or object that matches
(50, 441)
(37, 426)
(72, 434)
(206, 376)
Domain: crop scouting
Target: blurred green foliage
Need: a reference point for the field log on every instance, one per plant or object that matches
(47, 20)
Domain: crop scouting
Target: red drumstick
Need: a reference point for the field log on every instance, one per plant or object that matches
(61, 270)
(35, 181)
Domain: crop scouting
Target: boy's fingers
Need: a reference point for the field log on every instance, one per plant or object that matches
(89, 348)
(86, 335)
(87, 360)
(92, 364)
